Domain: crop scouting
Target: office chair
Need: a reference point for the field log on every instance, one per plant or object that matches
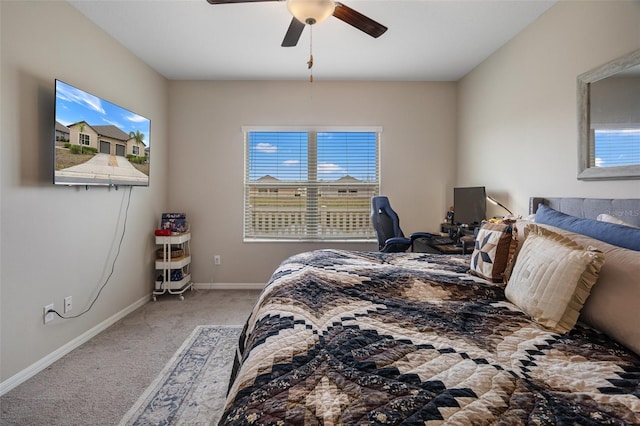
(386, 223)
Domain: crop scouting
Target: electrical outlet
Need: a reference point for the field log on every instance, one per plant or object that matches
(48, 316)
(216, 259)
(68, 304)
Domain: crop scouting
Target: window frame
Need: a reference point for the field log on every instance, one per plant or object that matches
(82, 137)
(305, 237)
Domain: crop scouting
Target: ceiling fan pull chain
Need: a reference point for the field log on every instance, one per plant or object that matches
(310, 62)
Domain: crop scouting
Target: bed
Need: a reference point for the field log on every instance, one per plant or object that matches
(344, 337)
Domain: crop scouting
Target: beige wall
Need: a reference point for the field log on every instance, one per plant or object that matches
(60, 241)
(207, 148)
(517, 111)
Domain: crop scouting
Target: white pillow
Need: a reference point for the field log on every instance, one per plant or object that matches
(612, 219)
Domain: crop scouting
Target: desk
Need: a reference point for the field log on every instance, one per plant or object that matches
(448, 248)
(425, 245)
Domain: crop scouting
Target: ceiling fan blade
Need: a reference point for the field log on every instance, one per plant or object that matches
(293, 33)
(358, 20)
(236, 1)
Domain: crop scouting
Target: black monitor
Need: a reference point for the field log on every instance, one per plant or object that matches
(469, 206)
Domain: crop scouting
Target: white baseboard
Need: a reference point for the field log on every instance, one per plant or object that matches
(228, 286)
(43, 363)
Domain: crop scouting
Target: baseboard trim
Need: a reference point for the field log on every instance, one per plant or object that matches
(43, 363)
(228, 286)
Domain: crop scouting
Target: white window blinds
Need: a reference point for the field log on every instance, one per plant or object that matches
(617, 147)
(310, 185)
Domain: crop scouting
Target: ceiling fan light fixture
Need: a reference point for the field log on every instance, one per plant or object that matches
(311, 12)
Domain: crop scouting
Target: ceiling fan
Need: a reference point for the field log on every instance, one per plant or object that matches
(311, 12)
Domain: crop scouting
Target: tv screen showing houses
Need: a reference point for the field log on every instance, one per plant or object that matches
(98, 142)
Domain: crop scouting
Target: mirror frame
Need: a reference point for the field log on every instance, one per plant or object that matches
(585, 170)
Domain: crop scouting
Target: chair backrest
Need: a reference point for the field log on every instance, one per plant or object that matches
(384, 219)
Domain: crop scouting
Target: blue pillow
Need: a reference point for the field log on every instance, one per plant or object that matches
(612, 233)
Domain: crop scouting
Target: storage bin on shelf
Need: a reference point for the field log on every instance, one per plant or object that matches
(175, 222)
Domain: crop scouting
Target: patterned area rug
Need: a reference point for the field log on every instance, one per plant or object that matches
(192, 387)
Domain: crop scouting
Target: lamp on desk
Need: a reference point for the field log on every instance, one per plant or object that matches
(497, 203)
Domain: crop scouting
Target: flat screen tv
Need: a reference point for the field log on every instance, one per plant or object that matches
(469, 206)
(98, 142)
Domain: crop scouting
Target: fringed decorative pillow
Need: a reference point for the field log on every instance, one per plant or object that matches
(494, 246)
(552, 278)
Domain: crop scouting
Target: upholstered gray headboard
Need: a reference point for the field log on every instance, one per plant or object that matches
(627, 209)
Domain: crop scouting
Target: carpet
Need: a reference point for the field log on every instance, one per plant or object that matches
(192, 387)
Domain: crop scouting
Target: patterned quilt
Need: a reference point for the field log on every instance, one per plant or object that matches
(340, 337)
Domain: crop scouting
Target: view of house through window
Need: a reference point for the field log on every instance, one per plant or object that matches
(310, 185)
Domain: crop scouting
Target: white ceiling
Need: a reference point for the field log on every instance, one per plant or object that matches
(427, 40)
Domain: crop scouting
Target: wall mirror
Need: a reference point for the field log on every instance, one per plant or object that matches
(609, 120)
